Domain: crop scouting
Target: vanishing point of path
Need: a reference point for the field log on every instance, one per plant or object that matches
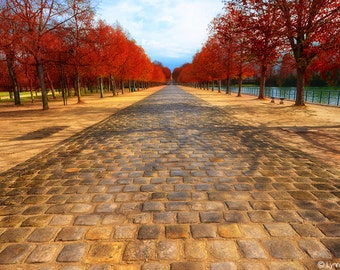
(170, 183)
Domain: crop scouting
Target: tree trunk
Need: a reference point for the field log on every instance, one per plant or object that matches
(239, 86)
(44, 97)
(122, 85)
(113, 85)
(227, 87)
(14, 80)
(101, 87)
(300, 87)
(77, 86)
(51, 85)
(262, 82)
(213, 85)
(219, 86)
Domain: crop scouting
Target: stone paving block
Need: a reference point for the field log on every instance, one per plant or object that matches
(280, 229)
(102, 198)
(282, 249)
(125, 231)
(106, 208)
(262, 205)
(203, 231)
(252, 230)
(179, 196)
(211, 217)
(203, 187)
(113, 219)
(177, 231)
(11, 221)
(35, 210)
(15, 253)
(260, 216)
(307, 230)
(142, 218)
(36, 221)
(171, 193)
(183, 187)
(229, 230)
(215, 206)
(176, 206)
(302, 195)
(218, 196)
(155, 266)
(131, 188)
(305, 204)
(225, 249)
(167, 250)
(286, 216)
(251, 249)
(253, 266)
(43, 253)
(105, 252)
(130, 208)
(159, 195)
(285, 266)
(80, 198)
(332, 245)
(81, 208)
(330, 229)
(59, 209)
(42, 235)
(164, 218)
(123, 197)
(195, 250)
(70, 234)
(314, 249)
(14, 235)
(153, 206)
(72, 253)
(187, 217)
(100, 267)
(87, 220)
(149, 232)
(140, 251)
(98, 233)
(312, 215)
(187, 265)
(236, 217)
(237, 205)
(61, 220)
(67, 267)
(223, 266)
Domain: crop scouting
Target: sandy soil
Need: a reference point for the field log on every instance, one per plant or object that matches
(314, 129)
(27, 130)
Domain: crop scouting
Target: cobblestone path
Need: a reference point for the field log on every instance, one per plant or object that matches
(170, 183)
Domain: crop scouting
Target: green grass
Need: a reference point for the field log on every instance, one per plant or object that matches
(24, 96)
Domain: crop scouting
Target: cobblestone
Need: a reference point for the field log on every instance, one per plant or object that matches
(170, 183)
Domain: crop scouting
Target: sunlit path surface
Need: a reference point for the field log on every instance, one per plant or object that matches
(170, 183)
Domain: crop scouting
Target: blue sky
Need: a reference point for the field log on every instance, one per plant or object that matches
(170, 31)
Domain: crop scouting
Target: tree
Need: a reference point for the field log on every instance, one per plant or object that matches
(287, 68)
(258, 19)
(35, 20)
(8, 43)
(229, 29)
(76, 29)
(311, 27)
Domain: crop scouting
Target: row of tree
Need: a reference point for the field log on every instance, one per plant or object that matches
(251, 37)
(57, 43)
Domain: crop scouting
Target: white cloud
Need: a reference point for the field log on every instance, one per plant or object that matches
(164, 28)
